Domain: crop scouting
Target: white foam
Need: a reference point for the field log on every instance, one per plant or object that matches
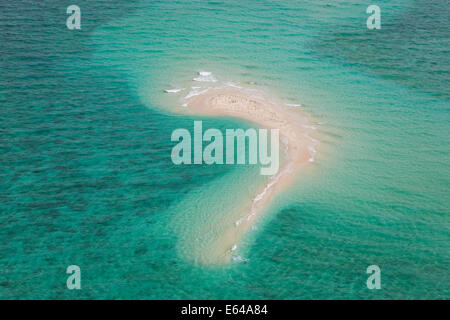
(273, 180)
(239, 259)
(312, 149)
(195, 92)
(293, 105)
(173, 90)
(234, 247)
(205, 76)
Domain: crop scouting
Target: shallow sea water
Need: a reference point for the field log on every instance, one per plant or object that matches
(86, 176)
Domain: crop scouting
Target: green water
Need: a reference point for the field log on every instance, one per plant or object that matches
(87, 179)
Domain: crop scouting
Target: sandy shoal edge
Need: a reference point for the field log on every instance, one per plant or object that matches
(295, 131)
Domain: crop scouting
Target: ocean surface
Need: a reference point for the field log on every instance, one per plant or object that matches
(86, 176)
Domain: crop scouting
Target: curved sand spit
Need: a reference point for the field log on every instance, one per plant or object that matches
(299, 150)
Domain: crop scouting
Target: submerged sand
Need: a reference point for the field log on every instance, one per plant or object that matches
(296, 138)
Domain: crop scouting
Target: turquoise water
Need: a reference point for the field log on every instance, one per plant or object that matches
(86, 175)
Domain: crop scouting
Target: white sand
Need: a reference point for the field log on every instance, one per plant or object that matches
(296, 136)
